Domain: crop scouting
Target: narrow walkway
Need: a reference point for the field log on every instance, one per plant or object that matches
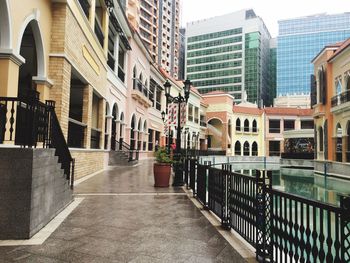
(123, 218)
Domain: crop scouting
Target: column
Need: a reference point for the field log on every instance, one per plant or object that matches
(60, 74)
(9, 73)
(87, 112)
(109, 120)
(92, 13)
(224, 137)
(102, 121)
(43, 86)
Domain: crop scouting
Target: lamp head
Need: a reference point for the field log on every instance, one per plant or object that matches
(163, 116)
(187, 88)
(167, 86)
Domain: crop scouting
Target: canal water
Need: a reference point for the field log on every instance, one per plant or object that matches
(302, 182)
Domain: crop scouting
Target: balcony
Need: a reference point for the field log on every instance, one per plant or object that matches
(140, 93)
(341, 102)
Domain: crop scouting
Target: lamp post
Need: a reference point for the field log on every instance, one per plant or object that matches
(178, 180)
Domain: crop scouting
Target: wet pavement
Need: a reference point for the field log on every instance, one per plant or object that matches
(123, 218)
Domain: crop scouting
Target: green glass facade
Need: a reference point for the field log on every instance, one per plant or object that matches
(234, 60)
(252, 66)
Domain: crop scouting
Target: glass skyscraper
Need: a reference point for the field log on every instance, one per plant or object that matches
(230, 53)
(299, 41)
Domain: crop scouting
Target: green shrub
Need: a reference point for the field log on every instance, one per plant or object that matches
(162, 156)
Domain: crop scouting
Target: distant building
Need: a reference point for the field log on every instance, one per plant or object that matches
(182, 53)
(298, 41)
(331, 109)
(230, 53)
(293, 101)
(157, 22)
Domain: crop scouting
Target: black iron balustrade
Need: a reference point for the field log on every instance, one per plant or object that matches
(202, 183)
(242, 205)
(27, 122)
(340, 98)
(121, 145)
(282, 227)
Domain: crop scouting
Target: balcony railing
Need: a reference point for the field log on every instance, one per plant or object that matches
(247, 129)
(341, 98)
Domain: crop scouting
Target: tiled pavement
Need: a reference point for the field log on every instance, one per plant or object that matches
(136, 227)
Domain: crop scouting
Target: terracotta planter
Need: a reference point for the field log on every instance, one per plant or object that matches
(161, 173)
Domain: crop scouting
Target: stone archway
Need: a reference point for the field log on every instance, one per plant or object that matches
(5, 26)
(31, 49)
(216, 135)
(114, 138)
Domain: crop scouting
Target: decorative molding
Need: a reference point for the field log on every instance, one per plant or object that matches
(44, 81)
(15, 58)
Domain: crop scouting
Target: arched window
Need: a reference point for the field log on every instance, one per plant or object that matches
(238, 148)
(246, 125)
(255, 128)
(254, 149)
(238, 125)
(320, 139)
(338, 86)
(134, 78)
(246, 149)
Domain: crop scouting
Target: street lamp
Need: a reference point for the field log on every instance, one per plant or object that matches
(178, 180)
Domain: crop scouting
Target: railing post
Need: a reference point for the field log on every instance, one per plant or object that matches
(226, 183)
(264, 200)
(345, 228)
(72, 174)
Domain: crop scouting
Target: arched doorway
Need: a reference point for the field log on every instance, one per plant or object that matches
(338, 143)
(5, 32)
(31, 49)
(132, 132)
(238, 149)
(121, 128)
(106, 126)
(139, 135)
(114, 127)
(246, 149)
(254, 149)
(215, 128)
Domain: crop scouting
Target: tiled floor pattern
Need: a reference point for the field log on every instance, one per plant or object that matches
(107, 227)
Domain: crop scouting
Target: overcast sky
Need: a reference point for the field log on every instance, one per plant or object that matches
(269, 10)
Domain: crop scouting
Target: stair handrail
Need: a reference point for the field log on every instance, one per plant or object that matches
(58, 141)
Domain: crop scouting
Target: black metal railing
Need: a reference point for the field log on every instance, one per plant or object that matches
(27, 122)
(138, 85)
(196, 152)
(121, 145)
(340, 98)
(282, 227)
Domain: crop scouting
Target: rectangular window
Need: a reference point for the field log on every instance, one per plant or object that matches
(190, 112)
(274, 126)
(150, 139)
(121, 63)
(288, 125)
(196, 115)
(158, 98)
(274, 148)
(307, 124)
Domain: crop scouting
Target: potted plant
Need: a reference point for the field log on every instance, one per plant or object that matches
(162, 168)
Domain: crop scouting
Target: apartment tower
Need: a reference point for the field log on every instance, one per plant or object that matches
(230, 53)
(299, 41)
(157, 22)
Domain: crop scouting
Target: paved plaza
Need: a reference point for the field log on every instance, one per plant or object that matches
(123, 218)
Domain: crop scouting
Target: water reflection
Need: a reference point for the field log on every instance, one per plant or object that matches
(300, 182)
